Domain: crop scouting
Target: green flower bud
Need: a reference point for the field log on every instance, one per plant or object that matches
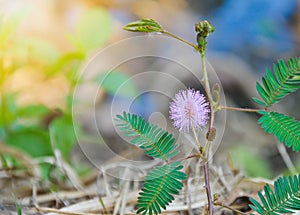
(204, 28)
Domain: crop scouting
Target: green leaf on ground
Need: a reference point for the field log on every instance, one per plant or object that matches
(32, 140)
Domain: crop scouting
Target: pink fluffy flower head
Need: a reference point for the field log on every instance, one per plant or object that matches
(189, 110)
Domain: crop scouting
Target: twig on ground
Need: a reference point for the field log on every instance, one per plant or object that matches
(286, 157)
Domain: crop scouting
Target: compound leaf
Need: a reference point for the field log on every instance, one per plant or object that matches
(156, 142)
(161, 184)
(276, 85)
(284, 199)
(285, 128)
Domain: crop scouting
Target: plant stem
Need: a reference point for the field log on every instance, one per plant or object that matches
(102, 204)
(196, 137)
(208, 92)
(238, 109)
(211, 122)
(229, 208)
(206, 147)
(180, 39)
(208, 190)
(192, 156)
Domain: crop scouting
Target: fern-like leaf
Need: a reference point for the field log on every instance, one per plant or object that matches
(161, 184)
(286, 129)
(285, 80)
(284, 199)
(156, 142)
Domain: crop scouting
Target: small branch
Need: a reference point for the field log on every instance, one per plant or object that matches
(180, 39)
(192, 156)
(238, 109)
(229, 208)
(195, 156)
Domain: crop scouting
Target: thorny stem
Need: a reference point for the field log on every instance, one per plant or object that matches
(208, 190)
(208, 92)
(210, 100)
(238, 109)
(211, 121)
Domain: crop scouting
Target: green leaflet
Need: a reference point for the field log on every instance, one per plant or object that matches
(285, 128)
(144, 25)
(160, 186)
(284, 80)
(156, 142)
(277, 85)
(284, 199)
(162, 182)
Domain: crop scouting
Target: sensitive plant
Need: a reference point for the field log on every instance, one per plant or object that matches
(192, 111)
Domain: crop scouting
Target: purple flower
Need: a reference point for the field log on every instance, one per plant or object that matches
(189, 109)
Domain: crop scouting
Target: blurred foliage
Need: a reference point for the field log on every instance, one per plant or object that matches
(249, 160)
(117, 83)
(33, 140)
(37, 128)
(9, 162)
(87, 36)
